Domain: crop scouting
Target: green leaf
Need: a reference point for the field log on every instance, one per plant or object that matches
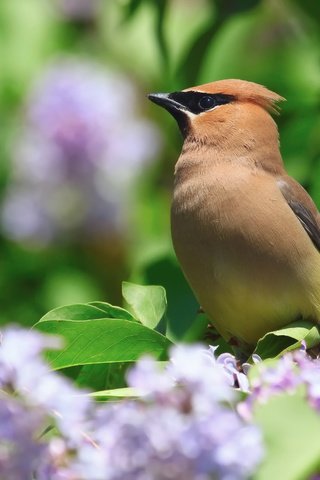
(291, 432)
(102, 341)
(94, 377)
(161, 7)
(113, 311)
(181, 314)
(289, 338)
(87, 311)
(127, 392)
(103, 376)
(147, 303)
(75, 312)
(131, 7)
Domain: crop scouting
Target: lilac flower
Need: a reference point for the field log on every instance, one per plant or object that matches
(160, 442)
(185, 425)
(231, 367)
(285, 375)
(77, 155)
(148, 379)
(182, 429)
(198, 360)
(31, 399)
(19, 357)
(309, 372)
(23, 371)
(19, 449)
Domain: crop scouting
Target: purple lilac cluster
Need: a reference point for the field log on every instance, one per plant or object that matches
(80, 148)
(183, 425)
(285, 375)
(32, 400)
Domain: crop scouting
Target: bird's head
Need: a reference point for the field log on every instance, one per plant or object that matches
(218, 109)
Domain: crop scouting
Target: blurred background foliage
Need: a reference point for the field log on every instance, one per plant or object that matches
(86, 163)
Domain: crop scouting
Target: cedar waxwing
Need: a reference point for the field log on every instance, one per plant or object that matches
(246, 234)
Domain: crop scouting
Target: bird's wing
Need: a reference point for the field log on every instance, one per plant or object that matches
(303, 207)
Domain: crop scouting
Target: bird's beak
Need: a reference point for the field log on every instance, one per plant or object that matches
(164, 100)
(177, 110)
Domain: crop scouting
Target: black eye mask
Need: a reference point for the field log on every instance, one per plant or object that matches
(197, 102)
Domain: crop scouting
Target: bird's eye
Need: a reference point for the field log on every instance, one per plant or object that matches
(206, 102)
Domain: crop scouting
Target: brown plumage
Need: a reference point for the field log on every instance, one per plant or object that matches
(246, 234)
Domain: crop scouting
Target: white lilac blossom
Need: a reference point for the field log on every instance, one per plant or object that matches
(183, 427)
(81, 146)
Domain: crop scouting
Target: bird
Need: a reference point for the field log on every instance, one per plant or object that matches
(246, 234)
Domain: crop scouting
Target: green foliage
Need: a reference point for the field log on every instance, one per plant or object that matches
(147, 303)
(102, 341)
(99, 333)
(87, 311)
(116, 393)
(276, 343)
(291, 431)
(181, 313)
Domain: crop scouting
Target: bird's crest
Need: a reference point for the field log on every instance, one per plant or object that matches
(243, 91)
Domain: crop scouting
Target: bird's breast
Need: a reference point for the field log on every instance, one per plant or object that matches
(218, 202)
